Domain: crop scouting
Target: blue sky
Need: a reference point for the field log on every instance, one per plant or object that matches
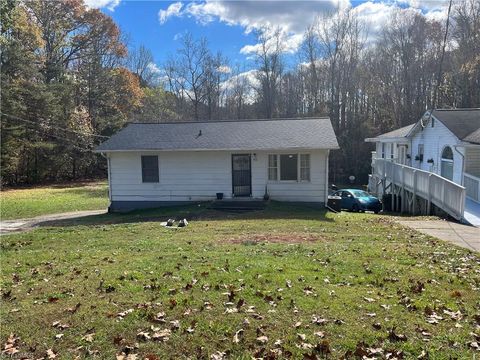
(228, 25)
(140, 20)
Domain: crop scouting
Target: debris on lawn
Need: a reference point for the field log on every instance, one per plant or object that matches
(11, 346)
(170, 223)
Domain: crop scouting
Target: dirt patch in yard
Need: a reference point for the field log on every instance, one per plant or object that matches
(288, 238)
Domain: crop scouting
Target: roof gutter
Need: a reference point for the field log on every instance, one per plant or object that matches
(387, 139)
(223, 149)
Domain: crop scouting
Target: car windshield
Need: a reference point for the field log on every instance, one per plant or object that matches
(360, 193)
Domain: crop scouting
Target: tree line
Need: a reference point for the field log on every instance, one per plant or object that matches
(70, 79)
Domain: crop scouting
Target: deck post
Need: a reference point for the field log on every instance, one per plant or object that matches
(429, 200)
(384, 176)
(393, 190)
(443, 194)
(414, 206)
(402, 205)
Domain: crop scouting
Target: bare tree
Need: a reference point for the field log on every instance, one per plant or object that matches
(140, 62)
(269, 59)
(309, 53)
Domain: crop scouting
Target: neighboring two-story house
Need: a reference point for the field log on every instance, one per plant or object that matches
(445, 142)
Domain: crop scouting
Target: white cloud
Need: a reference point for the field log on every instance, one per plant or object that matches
(224, 69)
(437, 15)
(174, 9)
(292, 17)
(290, 44)
(97, 4)
(248, 80)
(154, 68)
(427, 5)
(433, 10)
(178, 36)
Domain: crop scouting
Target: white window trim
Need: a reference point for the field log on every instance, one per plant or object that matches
(279, 172)
(271, 167)
(299, 170)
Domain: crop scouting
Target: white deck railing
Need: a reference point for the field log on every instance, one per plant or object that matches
(442, 192)
(472, 186)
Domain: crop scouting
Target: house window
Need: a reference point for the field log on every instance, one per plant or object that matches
(447, 163)
(272, 167)
(150, 169)
(391, 150)
(383, 150)
(420, 152)
(304, 167)
(288, 167)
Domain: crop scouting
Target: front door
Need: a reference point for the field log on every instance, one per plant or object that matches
(241, 175)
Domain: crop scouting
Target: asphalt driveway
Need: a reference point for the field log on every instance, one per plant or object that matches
(11, 226)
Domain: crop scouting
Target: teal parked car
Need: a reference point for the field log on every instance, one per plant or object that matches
(358, 200)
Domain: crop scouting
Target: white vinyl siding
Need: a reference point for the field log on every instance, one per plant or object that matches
(472, 161)
(198, 176)
(434, 139)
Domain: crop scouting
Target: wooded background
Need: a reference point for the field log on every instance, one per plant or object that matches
(70, 79)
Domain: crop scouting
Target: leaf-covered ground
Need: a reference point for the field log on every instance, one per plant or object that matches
(286, 282)
(31, 202)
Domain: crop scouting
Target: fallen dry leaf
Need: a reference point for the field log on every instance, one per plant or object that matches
(88, 337)
(218, 355)
(10, 346)
(51, 354)
(262, 339)
(162, 335)
(238, 335)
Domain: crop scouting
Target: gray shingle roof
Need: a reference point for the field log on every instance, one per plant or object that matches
(398, 133)
(464, 123)
(225, 135)
(474, 137)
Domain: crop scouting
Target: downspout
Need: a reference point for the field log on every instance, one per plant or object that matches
(109, 178)
(326, 177)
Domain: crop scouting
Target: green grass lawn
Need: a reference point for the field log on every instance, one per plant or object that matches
(27, 203)
(285, 282)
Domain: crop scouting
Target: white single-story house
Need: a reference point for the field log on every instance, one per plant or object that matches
(158, 164)
(445, 142)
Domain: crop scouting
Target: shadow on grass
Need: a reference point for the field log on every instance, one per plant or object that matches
(96, 191)
(198, 212)
(66, 185)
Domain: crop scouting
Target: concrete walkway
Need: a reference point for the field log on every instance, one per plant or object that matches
(472, 212)
(11, 226)
(462, 235)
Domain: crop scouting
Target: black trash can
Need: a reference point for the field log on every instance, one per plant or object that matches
(334, 203)
(219, 196)
(387, 202)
